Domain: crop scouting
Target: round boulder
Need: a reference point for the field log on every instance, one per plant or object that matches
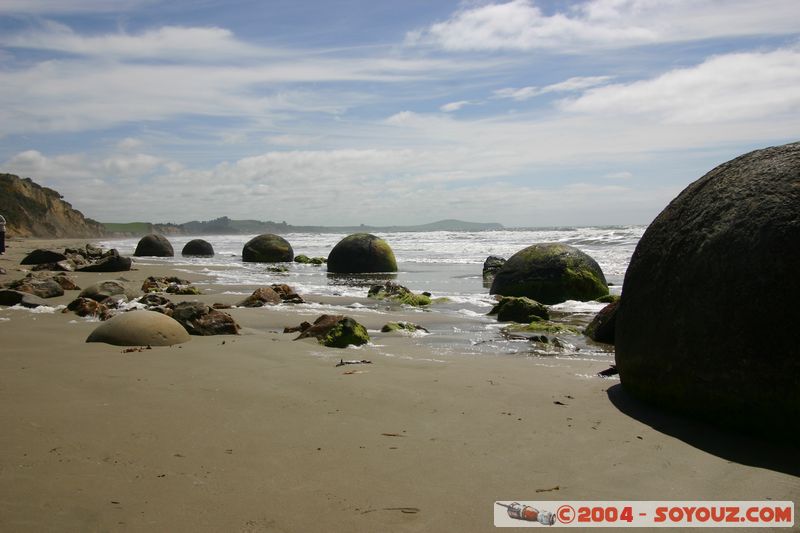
(102, 290)
(267, 248)
(155, 246)
(361, 253)
(198, 248)
(550, 273)
(140, 328)
(706, 322)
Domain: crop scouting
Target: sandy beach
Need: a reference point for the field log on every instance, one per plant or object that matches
(257, 432)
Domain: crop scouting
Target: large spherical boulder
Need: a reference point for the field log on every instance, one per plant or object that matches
(706, 322)
(155, 246)
(267, 248)
(140, 328)
(550, 273)
(198, 248)
(361, 253)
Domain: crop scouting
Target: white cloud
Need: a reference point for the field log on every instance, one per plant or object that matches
(129, 143)
(721, 89)
(49, 7)
(572, 84)
(454, 106)
(522, 25)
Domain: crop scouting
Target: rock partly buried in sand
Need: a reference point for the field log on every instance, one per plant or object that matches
(110, 262)
(199, 319)
(267, 248)
(361, 253)
(261, 297)
(603, 325)
(154, 245)
(336, 331)
(11, 297)
(41, 256)
(706, 322)
(550, 273)
(398, 293)
(519, 309)
(106, 289)
(198, 248)
(140, 328)
(42, 287)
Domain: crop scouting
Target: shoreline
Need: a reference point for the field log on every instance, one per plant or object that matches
(262, 433)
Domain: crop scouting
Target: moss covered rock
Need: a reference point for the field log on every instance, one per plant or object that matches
(154, 245)
(402, 327)
(551, 273)
(519, 309)
(334, 331)
(603, 325)
(198, 248)
(397, 293)
(361, 253)
(267, 248)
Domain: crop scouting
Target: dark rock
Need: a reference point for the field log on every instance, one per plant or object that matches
(106, 289)
(608, 298)
(140, 328)
(198, 248)
(295, 329)
(287, 294)
(11, 297)
(406, 327)
(336, 331)
(261, 297)
(39, 256)
(109, 262)
(200, 319)
(67, 283)
(602, 326)
(86, 307)
(154, 245)
(267, 248)
(304, 259)
(41, 287)
(550, 273)
(519, 309)
(154, 300)
(361, 253)
(397, 293)
(706, 323)
(492, 266)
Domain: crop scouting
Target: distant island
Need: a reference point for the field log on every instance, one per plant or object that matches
(227, 226)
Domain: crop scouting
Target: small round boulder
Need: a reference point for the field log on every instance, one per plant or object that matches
(140, 328)
(198, 248)
(551, 273)
(154, 246)
(361, 253)
(707, 322)
(267, 248)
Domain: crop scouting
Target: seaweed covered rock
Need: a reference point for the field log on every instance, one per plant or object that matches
(361, 253)
(550, 273)
(397, 293)
(267, 248)
(140, 328)
(336, 331)
(402, 327)
(519, 309)
(154, 245)
(305, 260)
(199, 319)
(603, 325)
(706, 322)
(198, 248)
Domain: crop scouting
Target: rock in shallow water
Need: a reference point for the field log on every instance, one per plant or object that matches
(361, 253)
(706, 320)
(154, 245)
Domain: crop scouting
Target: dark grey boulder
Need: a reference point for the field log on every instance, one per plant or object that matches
(550, 273)
(603, 326)
(11, 297)
(361, 253)
(706, 322)
(41, 287)
(111, 262)
(198, 248)
(267, 248)
(519, 309)
(40, 256)
(154, 245)
(492, 265)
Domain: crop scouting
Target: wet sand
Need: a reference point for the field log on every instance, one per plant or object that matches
(257, 432)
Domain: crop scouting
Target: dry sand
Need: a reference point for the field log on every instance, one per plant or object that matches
(259, 433)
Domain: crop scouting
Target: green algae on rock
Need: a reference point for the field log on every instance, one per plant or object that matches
(551, 273)
(519, 309)
(398, 293)
(361, 253)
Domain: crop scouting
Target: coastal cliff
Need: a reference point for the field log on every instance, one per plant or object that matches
(35, 211)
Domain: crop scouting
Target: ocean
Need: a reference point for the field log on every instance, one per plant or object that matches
(446, 264)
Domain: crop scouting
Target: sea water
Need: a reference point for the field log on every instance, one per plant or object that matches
(446, 264)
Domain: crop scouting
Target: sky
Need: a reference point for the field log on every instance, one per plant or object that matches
(345, 112)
